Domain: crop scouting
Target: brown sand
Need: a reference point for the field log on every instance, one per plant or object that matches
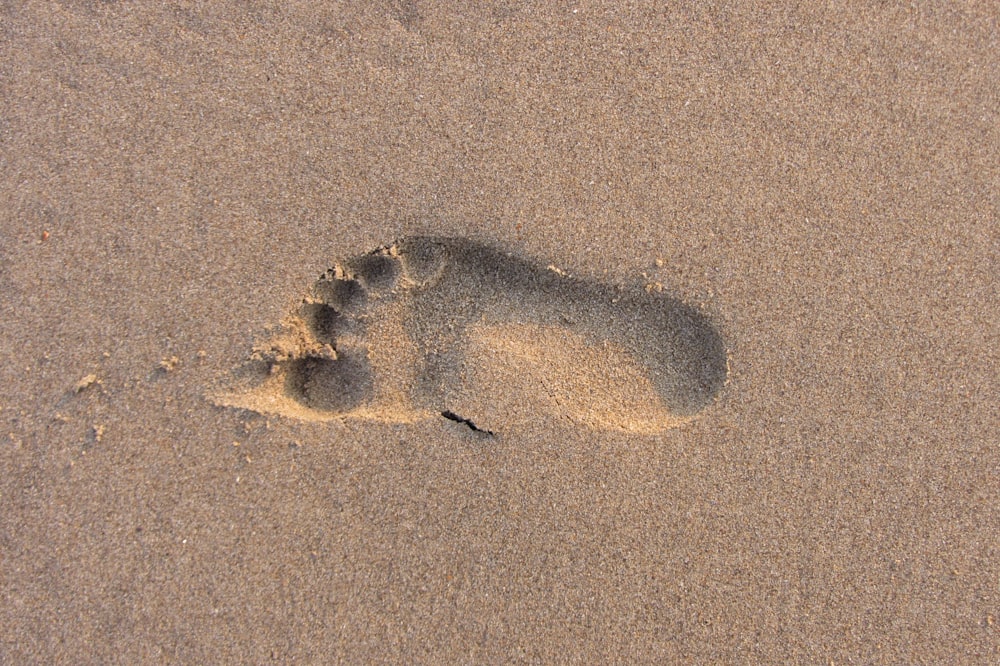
(821, 184)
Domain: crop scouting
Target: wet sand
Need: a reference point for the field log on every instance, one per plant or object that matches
(820, 186)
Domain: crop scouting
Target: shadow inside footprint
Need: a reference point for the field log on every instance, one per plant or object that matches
(337, 385)
(431, 326)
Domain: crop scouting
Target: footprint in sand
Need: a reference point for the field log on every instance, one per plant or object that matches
(446, 327)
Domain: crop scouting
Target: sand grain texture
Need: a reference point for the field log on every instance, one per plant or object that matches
(818, 184)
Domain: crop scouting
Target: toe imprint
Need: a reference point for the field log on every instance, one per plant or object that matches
(445, 326)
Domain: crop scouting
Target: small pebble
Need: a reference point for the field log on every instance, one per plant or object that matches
(86, 382)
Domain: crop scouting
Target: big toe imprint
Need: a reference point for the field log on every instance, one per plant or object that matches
(432, 327)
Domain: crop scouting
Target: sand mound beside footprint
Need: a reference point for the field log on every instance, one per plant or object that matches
(431, 326)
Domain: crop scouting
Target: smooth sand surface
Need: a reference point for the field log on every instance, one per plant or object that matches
(820, 185)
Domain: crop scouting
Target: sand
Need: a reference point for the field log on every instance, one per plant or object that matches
(819, 185)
